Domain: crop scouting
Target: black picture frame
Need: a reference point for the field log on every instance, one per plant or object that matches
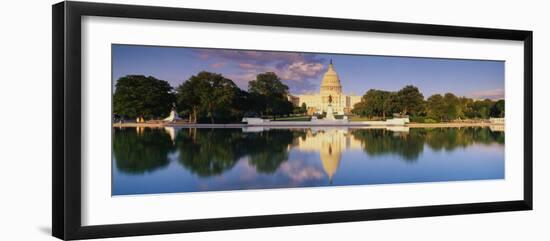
(66, 127)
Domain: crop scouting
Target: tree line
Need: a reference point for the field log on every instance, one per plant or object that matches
(204, 97)
(212, 98)
(437, 108)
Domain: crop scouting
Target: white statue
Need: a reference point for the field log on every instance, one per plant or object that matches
(173, 117)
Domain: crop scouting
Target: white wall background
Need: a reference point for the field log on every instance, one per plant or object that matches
(25, 119)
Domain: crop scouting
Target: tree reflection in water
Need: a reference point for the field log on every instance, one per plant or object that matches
(140, 150)
(449, 139)
(211, 152)
(208, 152)
(410, 145)
(268, 149)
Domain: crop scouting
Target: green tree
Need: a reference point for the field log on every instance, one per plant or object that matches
(304, 108)
(467, 110)
(188, 99)
(300, 109)
(411, 100)
(141, 96)
(452, 107)
(435, 106)
(378, 103)
(392, 104)
(268, 84)
(359, 108)
(497, 110)
(374, 103)
(209, 93)
(258, 103)
(241, 105)
(269, 95)
(444, 108)
(482, 108)
(281, 106)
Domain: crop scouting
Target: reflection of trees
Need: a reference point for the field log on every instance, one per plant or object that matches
(447, 138)
(451, 138)
(486, 136)
(269, 149)
(381, 141)
(138, 152)
(410, 145)
(208, 152)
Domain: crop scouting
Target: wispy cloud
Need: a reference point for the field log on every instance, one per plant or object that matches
(217, 65)
(298, 171)
(493, 94)
(295, 69)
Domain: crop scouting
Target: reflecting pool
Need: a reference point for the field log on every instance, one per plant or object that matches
(169, 159)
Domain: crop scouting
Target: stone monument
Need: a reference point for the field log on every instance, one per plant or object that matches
(173, 117)
(330, 111)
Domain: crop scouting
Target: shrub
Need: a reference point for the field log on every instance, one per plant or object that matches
(429, 120)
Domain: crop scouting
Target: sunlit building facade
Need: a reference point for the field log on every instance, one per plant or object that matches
(331, 89)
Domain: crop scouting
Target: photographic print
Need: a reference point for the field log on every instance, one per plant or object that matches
(189, 119)
(159, 114)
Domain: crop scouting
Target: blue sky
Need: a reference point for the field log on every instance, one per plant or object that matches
(302, 72)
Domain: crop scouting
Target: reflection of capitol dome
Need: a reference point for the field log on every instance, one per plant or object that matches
(330, 157)
(330, 85)
(329, 143)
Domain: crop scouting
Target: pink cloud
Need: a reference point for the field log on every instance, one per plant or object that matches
(295, 69)
(298, 172)
(300, 70)
(203, 55)
(494, 94)
(247, 66)
(217, 65)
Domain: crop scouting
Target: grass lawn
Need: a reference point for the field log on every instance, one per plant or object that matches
(360, 118)
(294, 118)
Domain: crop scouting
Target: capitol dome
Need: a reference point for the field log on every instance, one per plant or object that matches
(331, 82)
(330, 98)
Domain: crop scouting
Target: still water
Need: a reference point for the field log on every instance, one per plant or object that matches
(167, 160)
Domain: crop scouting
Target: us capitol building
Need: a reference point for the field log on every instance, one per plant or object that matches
(330, 92)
